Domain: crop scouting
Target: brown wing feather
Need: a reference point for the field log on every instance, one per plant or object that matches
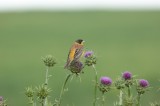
(74, 54)
(70, 56)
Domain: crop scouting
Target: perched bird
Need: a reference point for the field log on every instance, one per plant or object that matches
(75, 52)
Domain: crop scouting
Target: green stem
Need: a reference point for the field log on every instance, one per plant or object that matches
(46, 84)
(129, 92)
(46, 79)
(63, 87)
(103, 99)
(31, 101)
(138, 99)
(120, 97)
(42, 102)
(95, 89)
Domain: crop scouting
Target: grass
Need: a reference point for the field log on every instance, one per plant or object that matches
(121, 40)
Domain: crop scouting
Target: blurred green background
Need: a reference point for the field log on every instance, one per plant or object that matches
(121, 41)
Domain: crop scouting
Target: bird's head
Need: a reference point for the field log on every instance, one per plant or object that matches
(79, 41)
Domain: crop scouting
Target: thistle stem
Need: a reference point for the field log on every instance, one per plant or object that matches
(95, 89)
(103, 99)
(129, 92)
(46, 79)
(120, 97)
(46, 84)
(63, 87)
(138, 99)
(31, 101)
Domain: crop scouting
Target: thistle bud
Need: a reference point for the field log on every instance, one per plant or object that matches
(142, 86)
(49, 60)
(119, 83)
(29, 92)
(76, 67)
(42, 92)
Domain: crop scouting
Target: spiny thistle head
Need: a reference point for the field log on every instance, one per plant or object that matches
(42, 92)
(142, 86)
(49, 60)
(88, 54)
(127, 75)
(105, 83)
(76, 67)
(90, 58)
(29, 92)
(143, 83)
(119, 83)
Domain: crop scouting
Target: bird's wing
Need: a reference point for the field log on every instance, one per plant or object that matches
(78, 53)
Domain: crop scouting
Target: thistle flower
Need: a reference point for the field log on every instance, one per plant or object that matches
(90, 58)
(143, 83)
(49, 60)
(88, 54)
(142, 86)
(127, 75)
(106, 81)
(76, 67)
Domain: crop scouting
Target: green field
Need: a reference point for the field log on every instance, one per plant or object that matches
(121, 41)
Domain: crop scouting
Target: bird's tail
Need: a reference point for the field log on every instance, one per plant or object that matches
(67, 64)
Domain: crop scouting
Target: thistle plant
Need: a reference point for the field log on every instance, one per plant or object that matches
(120, 85)
(90, 60)
(142, 86)
(155, 104)
(30, 94)
(125, 81)
(76, 68)
(127, 76)
(42, 92)
(104, 86)
(129, 81)
(49, 61)
(2, 102)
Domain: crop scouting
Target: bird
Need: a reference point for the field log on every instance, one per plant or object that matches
(75, 52)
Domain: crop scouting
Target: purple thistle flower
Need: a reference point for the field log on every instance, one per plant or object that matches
(143, 83)
(106, 81)
(127, 75)
(88, 54)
